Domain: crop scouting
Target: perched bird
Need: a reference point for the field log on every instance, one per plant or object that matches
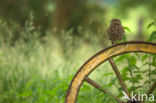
(115, 31)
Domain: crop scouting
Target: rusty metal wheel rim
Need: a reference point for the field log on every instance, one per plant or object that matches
(102, 56)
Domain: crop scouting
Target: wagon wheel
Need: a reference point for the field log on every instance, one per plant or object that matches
(99, 58)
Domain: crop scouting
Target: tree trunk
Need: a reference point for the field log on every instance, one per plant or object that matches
(140, 35)
(63, 12)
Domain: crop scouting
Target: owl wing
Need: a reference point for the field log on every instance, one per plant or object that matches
(109, 30)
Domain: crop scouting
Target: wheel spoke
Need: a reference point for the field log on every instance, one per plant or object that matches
(119, 76)
(99, 58)
(152, 88)
(94, 84)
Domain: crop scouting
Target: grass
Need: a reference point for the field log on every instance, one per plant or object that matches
(32, 72)
(39, 71)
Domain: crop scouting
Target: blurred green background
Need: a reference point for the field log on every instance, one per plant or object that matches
(44, 42)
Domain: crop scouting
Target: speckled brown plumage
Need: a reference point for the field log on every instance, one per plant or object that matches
(115, 31)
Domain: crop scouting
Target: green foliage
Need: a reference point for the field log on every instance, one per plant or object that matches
(138, 76)
(152, 24)
(127, 29)
(153, 36)
(106, 74)
(39, 70)
(34, 70)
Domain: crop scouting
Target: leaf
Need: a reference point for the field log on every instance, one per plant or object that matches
(122, 58)
(132, 60)
(145, 64)
(153, 72)
(145, 71)
(106, 74)
(135, 88)
(153, 36)
(138, 76)
(135, 67)
(144, 57)
(121, 89)
(153, 80)
(134, 80)
(154, 60)
(124, 38)
(111, 83)
(137, 71)
(137, 55)
(146, 82)
(150, 25)
(127, 29)
(125, 73)
(26, 94)
(86, 87)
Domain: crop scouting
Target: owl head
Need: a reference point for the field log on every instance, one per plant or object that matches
(115, 21)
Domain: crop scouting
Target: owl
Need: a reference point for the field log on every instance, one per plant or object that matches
(115, 31)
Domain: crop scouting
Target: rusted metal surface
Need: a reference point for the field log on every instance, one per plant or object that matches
(99, 58)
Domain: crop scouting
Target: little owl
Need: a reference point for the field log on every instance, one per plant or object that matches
(115, 31)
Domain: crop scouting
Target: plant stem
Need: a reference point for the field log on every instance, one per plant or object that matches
(149, 76)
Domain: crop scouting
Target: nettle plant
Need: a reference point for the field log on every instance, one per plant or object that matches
(138, 70)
